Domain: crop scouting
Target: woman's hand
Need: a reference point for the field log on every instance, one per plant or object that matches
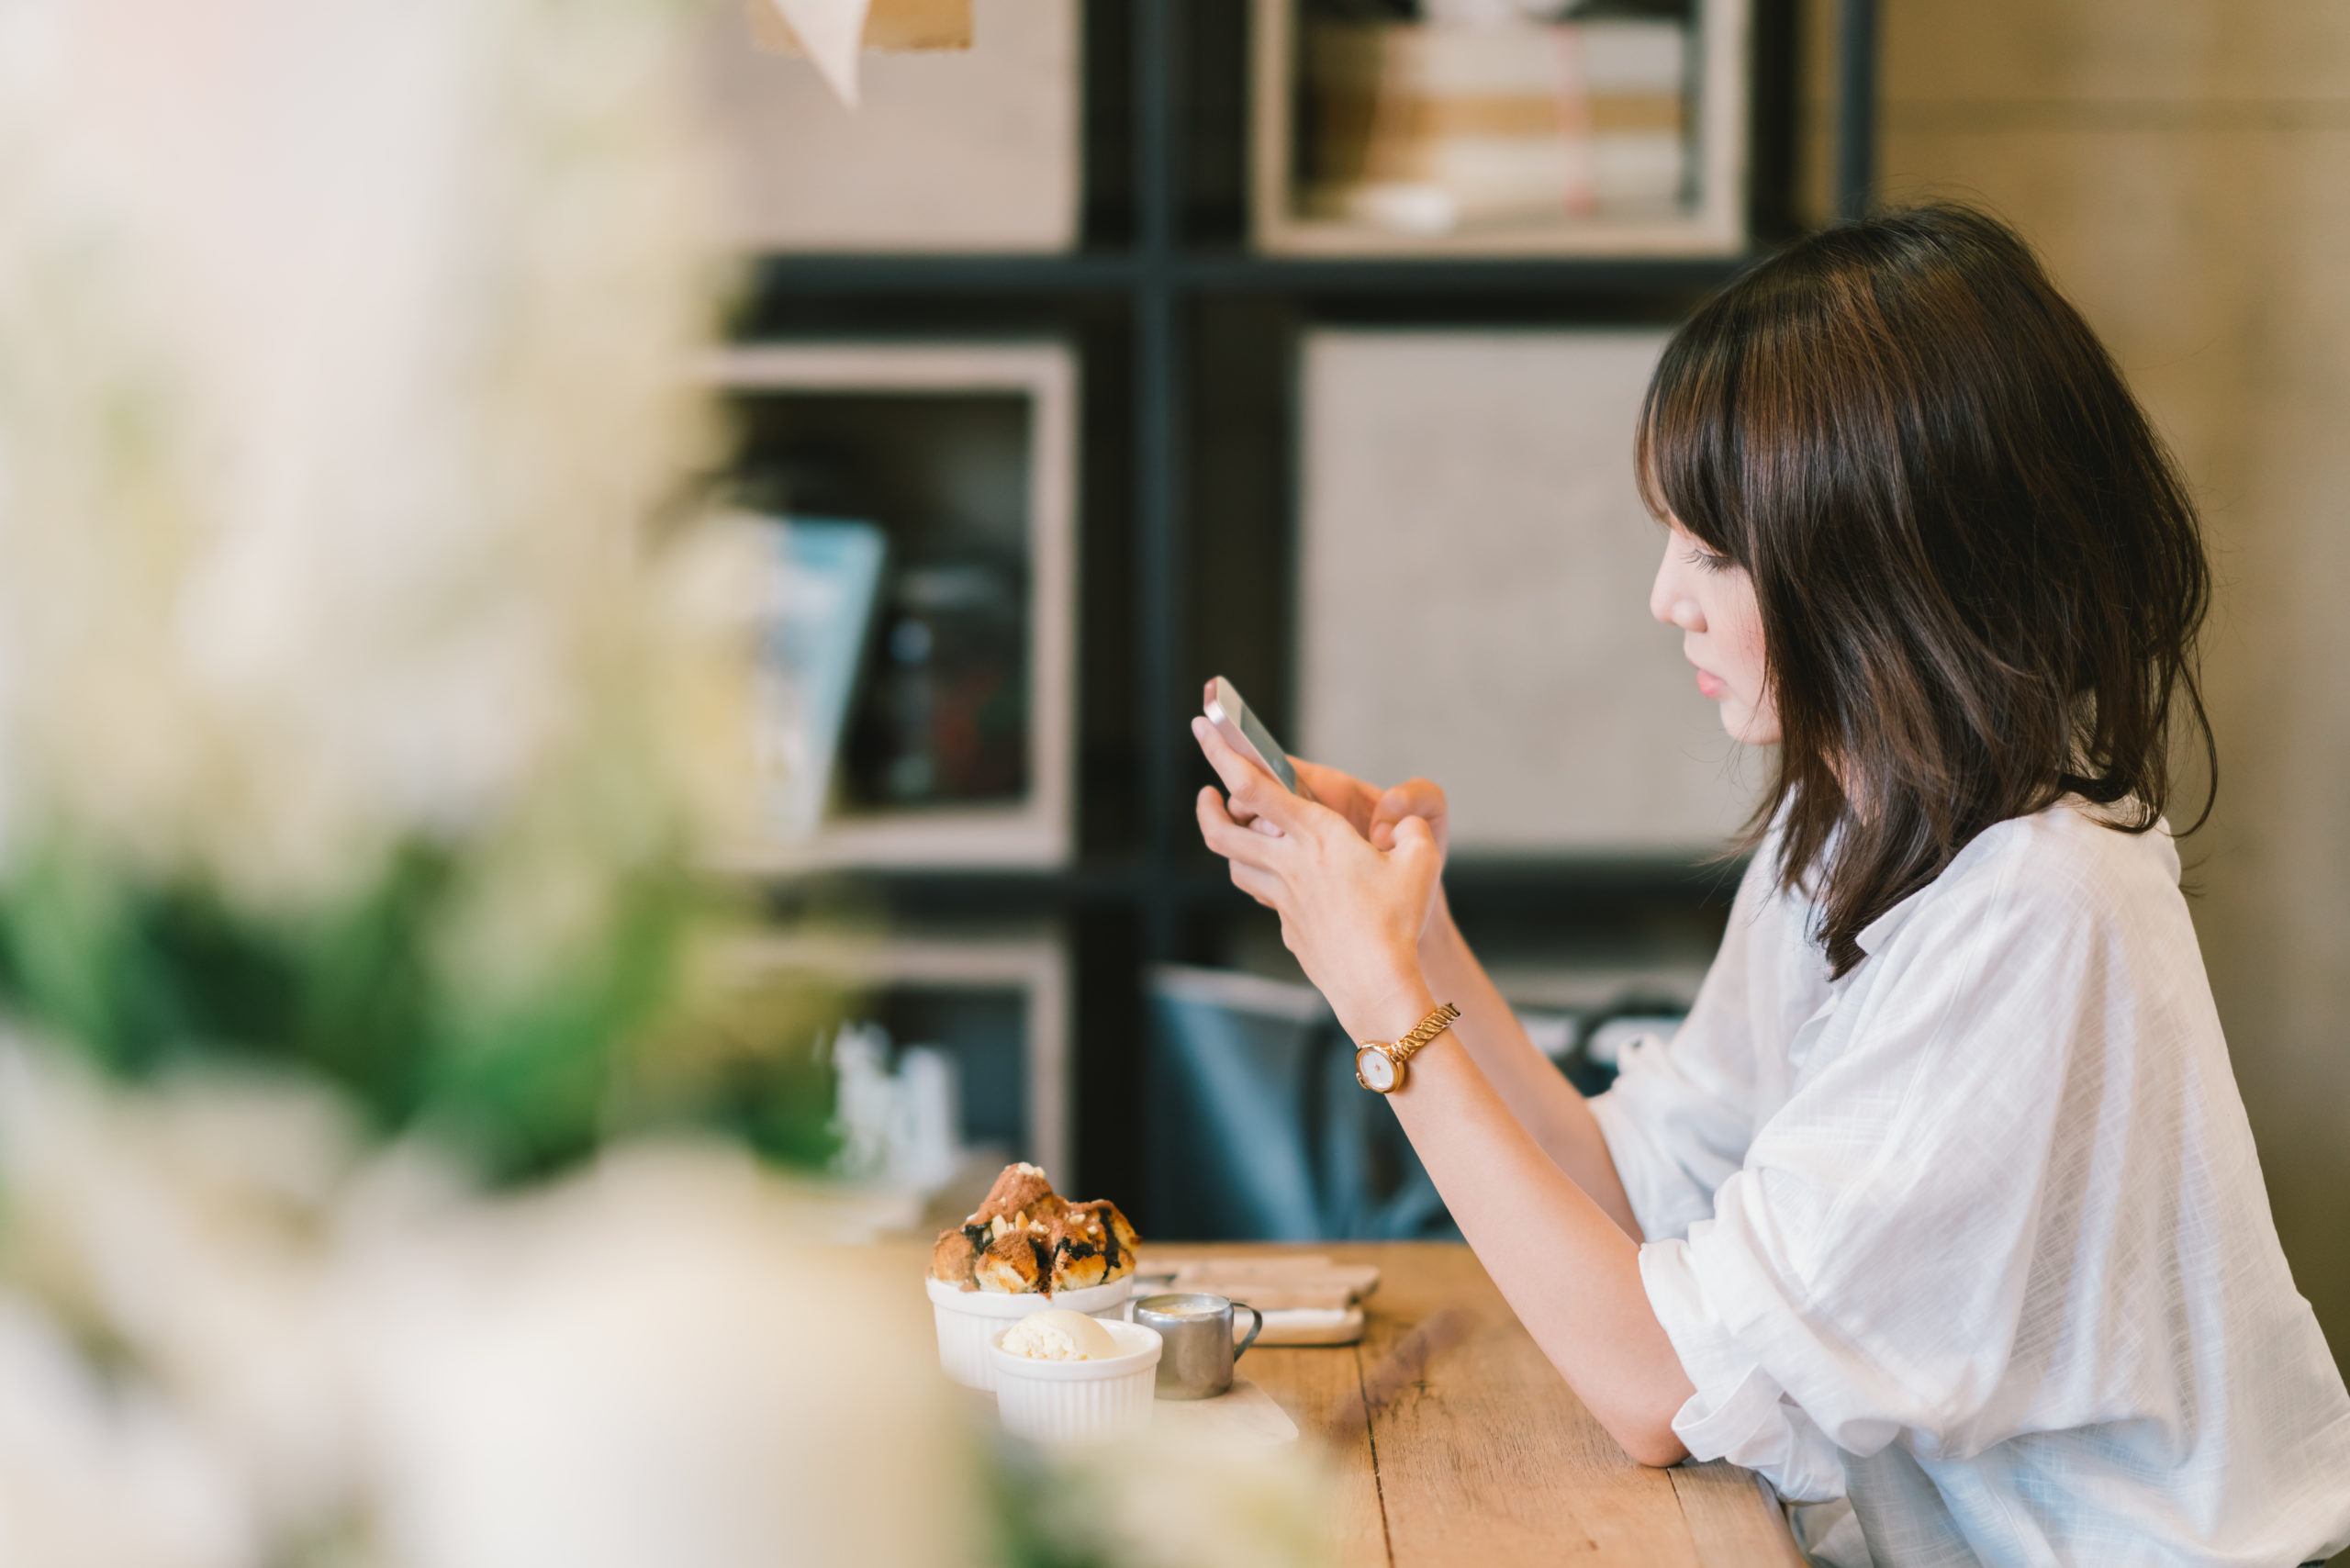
(1351, 911)
(1373, 811)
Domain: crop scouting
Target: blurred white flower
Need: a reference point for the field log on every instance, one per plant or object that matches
(97, 1476)
(1178, 1499)
(658, 1363)
(225, 1341)
(346, 354)
(346, 359)
(181, 1233)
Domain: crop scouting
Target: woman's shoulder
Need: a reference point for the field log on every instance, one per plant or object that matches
(2075, 864)
(2079, 845)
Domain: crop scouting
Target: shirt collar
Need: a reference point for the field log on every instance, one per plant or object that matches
(1872, 938)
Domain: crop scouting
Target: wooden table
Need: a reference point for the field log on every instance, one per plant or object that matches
(1457, 1443)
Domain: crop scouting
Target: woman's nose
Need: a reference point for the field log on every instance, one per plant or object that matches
(1670, 599)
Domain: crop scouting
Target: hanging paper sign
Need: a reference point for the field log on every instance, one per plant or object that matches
(831, 31)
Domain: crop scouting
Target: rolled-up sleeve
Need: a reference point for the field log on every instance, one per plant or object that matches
(1739, 1412)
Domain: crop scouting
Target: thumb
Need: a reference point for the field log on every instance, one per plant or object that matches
(1413, 838)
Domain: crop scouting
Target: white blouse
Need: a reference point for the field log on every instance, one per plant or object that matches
(1975, 1236)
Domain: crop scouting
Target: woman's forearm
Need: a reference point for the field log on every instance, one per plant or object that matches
(1567, 1269)
(1534, 1091)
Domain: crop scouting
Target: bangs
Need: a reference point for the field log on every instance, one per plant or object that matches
(1686, 449)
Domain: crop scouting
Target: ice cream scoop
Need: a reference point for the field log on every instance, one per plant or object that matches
(1059, 1335)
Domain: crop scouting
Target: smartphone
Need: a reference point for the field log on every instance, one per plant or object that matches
(1246, 734)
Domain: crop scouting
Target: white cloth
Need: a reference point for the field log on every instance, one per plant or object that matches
(1976, 1235)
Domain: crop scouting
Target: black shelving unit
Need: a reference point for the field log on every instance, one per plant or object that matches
(1186, 342)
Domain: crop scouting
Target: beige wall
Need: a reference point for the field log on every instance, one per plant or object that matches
(2184, 166)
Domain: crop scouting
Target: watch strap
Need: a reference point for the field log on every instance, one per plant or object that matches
(1405, 1047)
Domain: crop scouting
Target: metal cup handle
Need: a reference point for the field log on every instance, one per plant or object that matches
(1254, 1329)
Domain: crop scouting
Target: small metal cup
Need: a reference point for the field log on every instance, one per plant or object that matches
(1196, 1332)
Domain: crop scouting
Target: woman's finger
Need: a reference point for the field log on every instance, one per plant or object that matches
(1254, 791)
(1342, 792)
(1413, 838)
(1262, 886)
(1412, 798)
(1237, 842)
(1415, 798)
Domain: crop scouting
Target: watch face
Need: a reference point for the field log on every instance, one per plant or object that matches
(1376, 1068)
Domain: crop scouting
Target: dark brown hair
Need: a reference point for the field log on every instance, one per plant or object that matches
(1979, 573)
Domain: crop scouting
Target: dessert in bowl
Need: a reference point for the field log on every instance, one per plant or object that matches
(1063, 1377)
(1026, 1249)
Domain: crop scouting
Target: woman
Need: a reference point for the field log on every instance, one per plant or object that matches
(1940, 1209)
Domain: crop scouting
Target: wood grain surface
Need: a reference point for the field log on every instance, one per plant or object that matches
(1719, 1499)
(1456, 1444)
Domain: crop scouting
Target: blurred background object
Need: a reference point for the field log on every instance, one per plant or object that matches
(1258, 1081)
(952, 647)
(964, 1039)
(824, 578)
(1554, 736)
(1433, 126)
(970, 149)
(1607, 127)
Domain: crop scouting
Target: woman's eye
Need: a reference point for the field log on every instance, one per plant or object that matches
(1708, 561)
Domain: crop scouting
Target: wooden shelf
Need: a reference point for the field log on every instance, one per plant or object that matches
(1712, 224)
(1235, 271)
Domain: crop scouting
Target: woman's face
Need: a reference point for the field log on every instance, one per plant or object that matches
(1712, 600)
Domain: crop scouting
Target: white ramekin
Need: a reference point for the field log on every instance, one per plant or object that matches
(1078, 1402)
(968, 1320)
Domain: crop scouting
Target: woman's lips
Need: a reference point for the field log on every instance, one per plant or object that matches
(1710, 685)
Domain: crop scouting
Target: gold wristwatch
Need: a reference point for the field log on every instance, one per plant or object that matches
(1378, 1065)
